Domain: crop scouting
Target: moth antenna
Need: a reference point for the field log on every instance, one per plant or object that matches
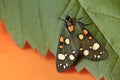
(79, 18)
(84, 24)
(59, 34)
(88, 24)
(68, 10)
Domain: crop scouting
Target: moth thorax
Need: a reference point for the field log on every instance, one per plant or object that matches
(70, 28)
(68, 23)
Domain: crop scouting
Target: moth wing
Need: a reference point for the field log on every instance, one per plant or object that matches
(89, 47)
(67, 53)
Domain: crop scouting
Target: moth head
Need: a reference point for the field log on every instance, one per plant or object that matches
(68, 20)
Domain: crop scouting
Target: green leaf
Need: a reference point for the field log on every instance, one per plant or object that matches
(36, 21)
(116, 71)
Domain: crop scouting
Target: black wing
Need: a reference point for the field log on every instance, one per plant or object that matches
(67, 53)
(89, 47)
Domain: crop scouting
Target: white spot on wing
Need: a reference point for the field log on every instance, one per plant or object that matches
(98, 56)
(71, 57)
(67, 41)
(95, 56)
(61, 56)
(90, 47)
(60, 64)
(65, 55)
(86, 52)
(95, 46)
(73, 52)
(81, 36)
(101, 52)
(64, 66)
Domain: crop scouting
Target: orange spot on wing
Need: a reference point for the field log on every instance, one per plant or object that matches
(70, 28)
(61, 39)
(61, 46)
(90, 37)
(85, 31)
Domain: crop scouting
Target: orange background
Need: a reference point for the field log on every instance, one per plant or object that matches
(28, 64)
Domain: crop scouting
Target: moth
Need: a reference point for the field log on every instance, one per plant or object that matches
(76, 41)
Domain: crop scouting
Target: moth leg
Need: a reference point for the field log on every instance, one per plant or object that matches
(84, 24)
(79, 18)
(88, 24)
